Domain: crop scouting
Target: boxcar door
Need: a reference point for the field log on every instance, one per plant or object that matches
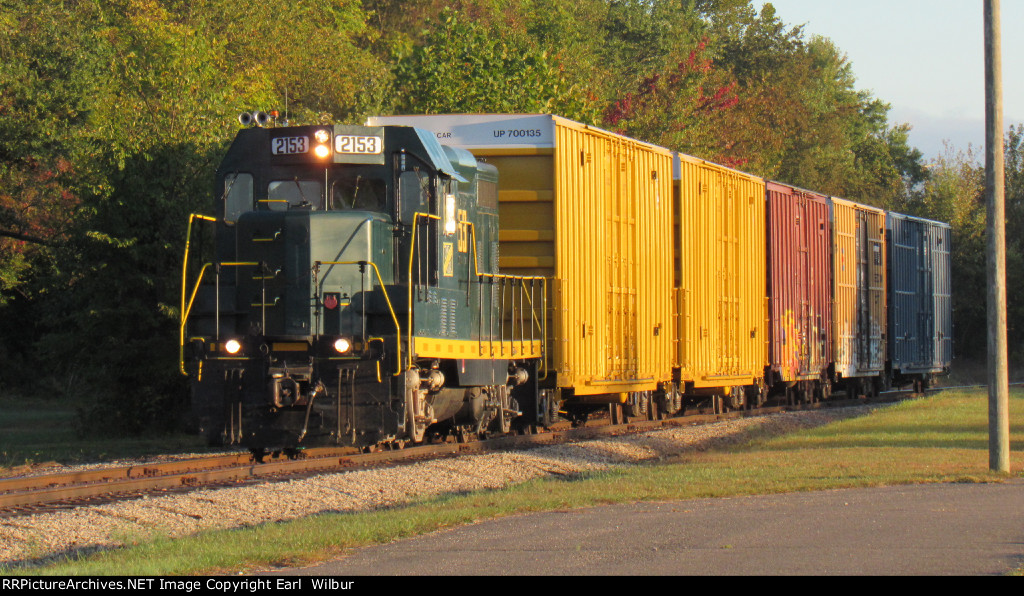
(862, 340)
(925, 301)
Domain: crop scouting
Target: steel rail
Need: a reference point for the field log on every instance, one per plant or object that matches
(197, 472)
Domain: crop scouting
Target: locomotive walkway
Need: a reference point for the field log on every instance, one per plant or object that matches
(938, 529)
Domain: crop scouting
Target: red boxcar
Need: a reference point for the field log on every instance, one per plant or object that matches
(799, 292)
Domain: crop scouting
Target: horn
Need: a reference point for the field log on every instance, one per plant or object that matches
(261, 118)
(245, 119)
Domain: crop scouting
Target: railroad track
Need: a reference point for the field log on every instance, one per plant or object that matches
(63, 490)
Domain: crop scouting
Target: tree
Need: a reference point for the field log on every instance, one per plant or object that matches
(680, 108)
(464, 66)
(954, 193)
(314, 55)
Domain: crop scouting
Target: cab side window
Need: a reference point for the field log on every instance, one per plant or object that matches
(237, 195)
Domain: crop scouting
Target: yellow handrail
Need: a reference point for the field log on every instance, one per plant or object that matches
(412, 253)
(391, 309)
(540, 323)
(185, 312)
(184, 319)
(184, 275)
(543, 323)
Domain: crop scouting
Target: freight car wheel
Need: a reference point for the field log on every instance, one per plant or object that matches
(660, 406)
(617, 413)
(826, 390)
(547, 411)
(736, 398)
(639, 405)
(757, 395)
(670, 401)
(808, 392)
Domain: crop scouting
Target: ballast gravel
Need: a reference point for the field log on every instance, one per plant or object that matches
(36, 539)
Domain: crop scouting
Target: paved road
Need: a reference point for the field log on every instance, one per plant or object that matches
(942, 529)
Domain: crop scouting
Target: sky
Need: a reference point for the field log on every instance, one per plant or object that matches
(926, 58)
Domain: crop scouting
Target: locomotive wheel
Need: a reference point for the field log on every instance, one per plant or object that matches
(418, 415)
(502, 422)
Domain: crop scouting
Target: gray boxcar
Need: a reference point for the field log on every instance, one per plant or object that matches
(920, 309)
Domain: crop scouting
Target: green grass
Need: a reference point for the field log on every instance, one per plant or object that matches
(937, 439)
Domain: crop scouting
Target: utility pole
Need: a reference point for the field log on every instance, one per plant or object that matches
(998, 375)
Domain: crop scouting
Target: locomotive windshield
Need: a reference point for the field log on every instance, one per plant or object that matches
(355, 189)
(286, 194)
(359, 191)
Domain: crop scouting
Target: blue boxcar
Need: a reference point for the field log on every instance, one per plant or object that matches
(920, 310)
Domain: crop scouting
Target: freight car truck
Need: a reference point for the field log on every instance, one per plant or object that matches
(592, 211)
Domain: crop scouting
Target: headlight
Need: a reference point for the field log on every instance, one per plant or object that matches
(322, 150)
(233, 346)
(342, 345)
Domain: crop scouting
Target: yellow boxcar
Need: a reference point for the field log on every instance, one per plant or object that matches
(592, 211)
(721, 303)
(859, 289)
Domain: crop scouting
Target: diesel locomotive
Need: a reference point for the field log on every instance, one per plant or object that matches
(353, 296)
